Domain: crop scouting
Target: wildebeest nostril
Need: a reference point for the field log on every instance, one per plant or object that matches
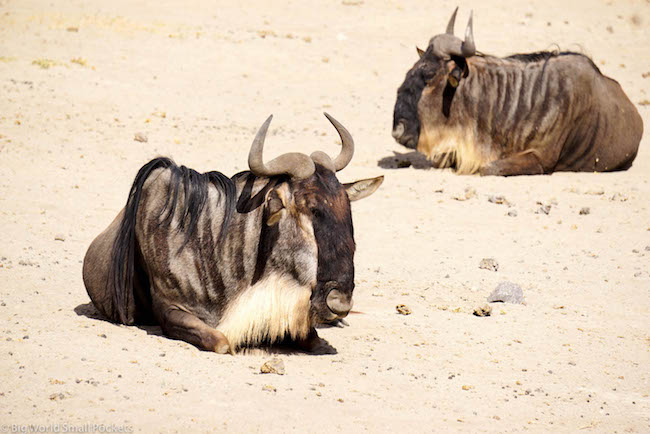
(338, 303)
(398, 131)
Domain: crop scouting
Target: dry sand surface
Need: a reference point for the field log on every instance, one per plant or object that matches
(79, 79)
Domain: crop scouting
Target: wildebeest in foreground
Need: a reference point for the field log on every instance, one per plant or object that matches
(225, 263)
(524, 114)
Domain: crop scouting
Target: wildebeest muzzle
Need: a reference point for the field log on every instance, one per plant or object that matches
(338, 302)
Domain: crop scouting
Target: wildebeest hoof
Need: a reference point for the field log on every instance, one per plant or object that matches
(222, 346)
(340, 323)
(489, 170)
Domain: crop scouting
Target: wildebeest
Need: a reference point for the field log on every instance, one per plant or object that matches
(520, 115)
(225, 263)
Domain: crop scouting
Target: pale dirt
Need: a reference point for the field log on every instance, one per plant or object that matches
(575, 357)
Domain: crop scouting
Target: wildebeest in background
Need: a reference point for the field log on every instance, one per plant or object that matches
(524, 114)
(224, 263)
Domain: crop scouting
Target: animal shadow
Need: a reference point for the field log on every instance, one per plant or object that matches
(403, 160)
(322, 347)
(89, 311)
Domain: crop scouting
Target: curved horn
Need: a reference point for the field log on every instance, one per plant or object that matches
(446, 45)
(347, 145)
(452, 21)
(323, 159)
(296, 165)
(469, 49)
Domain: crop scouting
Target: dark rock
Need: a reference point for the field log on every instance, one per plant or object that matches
(585, 211)
(507, 292)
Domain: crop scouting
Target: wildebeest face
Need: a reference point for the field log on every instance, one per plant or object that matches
(324, 199)
(319, 208)
(444, 62)
(406, 123)
(316, 206)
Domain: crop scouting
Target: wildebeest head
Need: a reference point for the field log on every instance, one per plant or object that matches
(312, 216)
(445, 56)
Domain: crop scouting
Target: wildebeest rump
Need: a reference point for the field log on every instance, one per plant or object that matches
(520, 115)
(225, 263)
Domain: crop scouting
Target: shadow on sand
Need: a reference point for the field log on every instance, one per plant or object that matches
(285, 347)
(403, 160)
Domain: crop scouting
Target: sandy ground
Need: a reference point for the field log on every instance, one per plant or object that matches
(79, 79)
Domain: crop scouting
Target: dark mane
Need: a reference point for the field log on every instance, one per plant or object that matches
(195, 194)
(546, 55)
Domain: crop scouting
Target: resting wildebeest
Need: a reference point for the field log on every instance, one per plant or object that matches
(524, 114)
(225, 263)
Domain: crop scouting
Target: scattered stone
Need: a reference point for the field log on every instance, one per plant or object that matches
(619, 197)
(585, 211)
(485, 310)
(499, 200)
(512, 213)
(140, 137)
(595, 192)
(269, 388)
(273, 366)
(507, 292)
(57, 396)
(647, 248)
(489, 264)
(402, 309)
(470, 192)
(59, 237)
(543, 209)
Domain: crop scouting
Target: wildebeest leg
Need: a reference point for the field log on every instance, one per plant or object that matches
(178, 324)
(523, 163)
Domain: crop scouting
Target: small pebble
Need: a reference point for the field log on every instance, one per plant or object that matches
(485, 310)
(402, 309)
(585, 211)
(489, 264)
(499, 200)
(273, 366)
(512, 213)
(140, 137)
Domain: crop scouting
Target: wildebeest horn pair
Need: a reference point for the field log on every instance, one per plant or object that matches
(295, 164)
(447, 45)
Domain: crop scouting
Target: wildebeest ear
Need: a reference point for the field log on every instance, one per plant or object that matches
(420, 52)
(362, 188)
(275, 206)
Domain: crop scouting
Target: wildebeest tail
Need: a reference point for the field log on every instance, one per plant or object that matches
(122, 271)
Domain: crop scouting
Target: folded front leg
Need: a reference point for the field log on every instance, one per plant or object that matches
(523, 163)
(182, 325)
